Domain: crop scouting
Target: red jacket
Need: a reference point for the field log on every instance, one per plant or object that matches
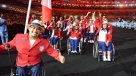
(98, 22)
(75, 34)
(84, 23)
(30, 55)
(58, 33)
(109, 34)
(51, 26)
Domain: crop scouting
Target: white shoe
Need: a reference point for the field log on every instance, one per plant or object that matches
(89, 41)
(84, 40)
(104, 58)
(92, 41)
(64, 29)
(72, 51)
(108, 58)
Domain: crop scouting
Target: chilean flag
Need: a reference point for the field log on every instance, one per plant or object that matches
(46, 11)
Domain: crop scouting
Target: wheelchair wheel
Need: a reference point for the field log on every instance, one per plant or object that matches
(95, 50)
(43, 70)
(68, 47)
(113, 52)
(12, 73)
(100, 54)
(42, 73)
(58, 45)
(80, 47)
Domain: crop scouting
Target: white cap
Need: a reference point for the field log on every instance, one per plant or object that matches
(36, 21)
(105, 22)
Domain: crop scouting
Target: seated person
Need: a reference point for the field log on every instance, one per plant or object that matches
(56, 36)
(74, 36)
(30, 46)
(105, 40)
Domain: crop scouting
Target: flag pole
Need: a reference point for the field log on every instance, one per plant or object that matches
(27, 16)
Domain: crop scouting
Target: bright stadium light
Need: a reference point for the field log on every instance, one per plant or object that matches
(3, 6)
(121, 5)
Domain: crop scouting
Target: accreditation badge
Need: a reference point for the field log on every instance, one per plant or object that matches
(41, 48)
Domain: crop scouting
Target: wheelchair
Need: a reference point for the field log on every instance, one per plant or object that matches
(79, 47)
(13, 65)
(28, 73)
(97, 51)
(59, 46)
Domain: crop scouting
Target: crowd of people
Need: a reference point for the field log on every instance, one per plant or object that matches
(78, 28)
(88, 28)
(92, 27)
(123, 23)
(45, 37)
(15, 18)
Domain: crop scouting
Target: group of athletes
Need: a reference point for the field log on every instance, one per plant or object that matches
(77, 28)
(31, 45)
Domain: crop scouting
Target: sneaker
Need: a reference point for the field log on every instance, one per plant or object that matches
(72, 51)
(84, 40)
(64, 29)
(104, 58)
(92, 41)
(108, 58)
(89, 41)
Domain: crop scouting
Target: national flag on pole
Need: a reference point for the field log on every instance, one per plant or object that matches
(46, 10)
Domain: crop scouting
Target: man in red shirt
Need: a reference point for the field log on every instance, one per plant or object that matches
(29, 47)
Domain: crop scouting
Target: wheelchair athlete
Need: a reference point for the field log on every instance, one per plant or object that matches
(56, 36)
(105, 40)
(74, 37)
(30, 47)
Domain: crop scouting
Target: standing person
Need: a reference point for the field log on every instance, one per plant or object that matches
(83, 22)
(29, 47)
(65, 20)
(3, 29)
(50, 27)
(91, 30)
(98, 20)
